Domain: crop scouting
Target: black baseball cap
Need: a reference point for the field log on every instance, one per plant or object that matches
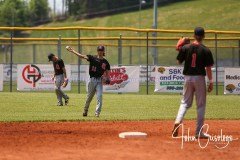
(100, 48)
(199, 31)
(50, 56)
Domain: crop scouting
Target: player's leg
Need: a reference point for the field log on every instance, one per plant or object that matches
(66, 98)
(99, 91)
(201, 94)
(186, 103)
(57, 89)
(90, 95)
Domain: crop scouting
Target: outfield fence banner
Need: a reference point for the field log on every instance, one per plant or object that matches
(232, 81)
(143, 74)
(1, 77)
(83, 73)
(33, 77)
(7, 72)
(169, 79)
(123, 79)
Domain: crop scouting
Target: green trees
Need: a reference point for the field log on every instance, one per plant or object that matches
(39, 11)
(23, 13)
(14, 13)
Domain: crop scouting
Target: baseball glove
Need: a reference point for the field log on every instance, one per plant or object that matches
(65, 83)
(105, 80)
(181, 42)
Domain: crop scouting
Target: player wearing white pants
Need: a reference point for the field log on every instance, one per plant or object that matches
(198, 61)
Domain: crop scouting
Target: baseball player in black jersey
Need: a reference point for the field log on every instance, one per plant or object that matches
(59, 77)
(198, 61)
(98, 67)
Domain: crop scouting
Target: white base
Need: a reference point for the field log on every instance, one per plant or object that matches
(132, 135)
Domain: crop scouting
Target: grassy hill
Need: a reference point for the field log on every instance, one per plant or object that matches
(211, 14)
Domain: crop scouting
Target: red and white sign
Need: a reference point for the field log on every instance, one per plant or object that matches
(1, 77)
(123, 79)
(32, 77)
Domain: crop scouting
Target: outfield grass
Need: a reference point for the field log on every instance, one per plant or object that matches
(142, 89)
(42, 107)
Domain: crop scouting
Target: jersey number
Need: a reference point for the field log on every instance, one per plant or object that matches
(94, 69)
(194, 58)
(57, 66)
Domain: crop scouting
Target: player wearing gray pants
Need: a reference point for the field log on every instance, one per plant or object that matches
(98, 66)
(198, 61)
(193, 85)
(59, 77)
(94, 86)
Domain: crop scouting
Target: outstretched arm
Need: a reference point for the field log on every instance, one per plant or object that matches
(70, 49)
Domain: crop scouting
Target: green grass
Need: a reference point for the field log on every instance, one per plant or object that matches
(212, 15)
(142, 89)
(42, 107)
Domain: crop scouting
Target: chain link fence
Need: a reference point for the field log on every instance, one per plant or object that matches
(124, 47)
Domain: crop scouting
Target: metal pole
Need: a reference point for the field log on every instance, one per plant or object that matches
(147, 63)
(59, 46)
(216, 58)
(34, 53)
(79, 62)
(233, 57)
(54, 8)
(11, 60)
(139, 16)
(239, 52)
(63, 7)
(120, 51)
(120, 54)
(130, 58)
(154, 34)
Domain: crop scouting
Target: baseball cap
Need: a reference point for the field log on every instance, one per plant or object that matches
(199, 31)
(101, 48)
(50, 56)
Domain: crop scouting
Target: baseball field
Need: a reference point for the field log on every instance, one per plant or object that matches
(33, 127)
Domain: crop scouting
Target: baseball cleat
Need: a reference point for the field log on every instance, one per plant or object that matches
(175, 130)
(84, 114)
(59, 104)
(66, 100)
(97, 114)
(202, 136)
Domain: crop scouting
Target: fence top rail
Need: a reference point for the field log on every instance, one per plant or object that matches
(112, 45)
(113, 29)
(112, 38)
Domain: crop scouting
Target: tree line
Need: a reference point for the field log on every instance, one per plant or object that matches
(23, 13)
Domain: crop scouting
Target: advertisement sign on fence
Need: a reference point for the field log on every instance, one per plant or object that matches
(37, 77)
(123, 79)
(1, 77)
(83, 73)
(232, 81)
(7, 72)
(169, 79)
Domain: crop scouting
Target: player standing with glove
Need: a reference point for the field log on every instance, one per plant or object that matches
(97, 68)
(198, 61)
(59, 77)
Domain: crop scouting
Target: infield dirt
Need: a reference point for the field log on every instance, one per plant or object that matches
(100, 141)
